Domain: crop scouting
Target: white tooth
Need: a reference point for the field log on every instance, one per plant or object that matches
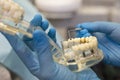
(87, 39)
(70, 42)
(76, 41)
(69, 55)
(81, 47)
(87, 47)
(75, 48)
(94, 41)
(90, 38)
(65, 44)
(91, 45)
(82, 40)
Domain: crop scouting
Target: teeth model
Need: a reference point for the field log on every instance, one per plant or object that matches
(11, 10)
(81, 53)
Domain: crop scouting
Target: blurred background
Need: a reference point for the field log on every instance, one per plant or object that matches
(64, 14)
(71, 12)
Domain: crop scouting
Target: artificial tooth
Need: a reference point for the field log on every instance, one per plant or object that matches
(94, 41)
(95, 44)
(82, 40)
(86, 45)
(75, 48)
(90, 39)
(90, 45)
(76, 41)
(69, 54)
(65, 44)
(70, 42)
(87, 39)
(81, 47)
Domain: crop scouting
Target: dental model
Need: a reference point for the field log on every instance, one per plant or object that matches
(11, 10)
(81, 53)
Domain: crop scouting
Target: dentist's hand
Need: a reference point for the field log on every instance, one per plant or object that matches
(108, 35)
(38, 58)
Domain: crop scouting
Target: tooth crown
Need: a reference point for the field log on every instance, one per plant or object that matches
(79, 47)
(81, 42)
(80, 53)
(11, 10)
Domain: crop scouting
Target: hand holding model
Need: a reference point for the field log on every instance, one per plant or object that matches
(108, 35)
(36, 55)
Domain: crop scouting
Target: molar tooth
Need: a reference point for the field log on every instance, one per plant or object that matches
(76, 41)
(95, 44)
(94, 40)
(87, 39)
(70, 42)
(81, 47)
(90, 38)
(82, 40)
(87, 47)
(65, 44)
(75, 48)
(91, 45)
(69, 54)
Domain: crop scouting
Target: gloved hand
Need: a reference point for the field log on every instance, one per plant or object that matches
(108, 35)
(39, 61)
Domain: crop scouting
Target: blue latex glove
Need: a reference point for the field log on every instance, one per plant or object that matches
(108, 35)
(40, 62)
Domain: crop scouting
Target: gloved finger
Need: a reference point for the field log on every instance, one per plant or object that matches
(112, 29)
(44, 25)
(36, 21)
(52, 34)
(87, 74)
(42, 47)
(109, 49)
(105, 27)
(81, 32)
(87, 35)
(24, 53)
